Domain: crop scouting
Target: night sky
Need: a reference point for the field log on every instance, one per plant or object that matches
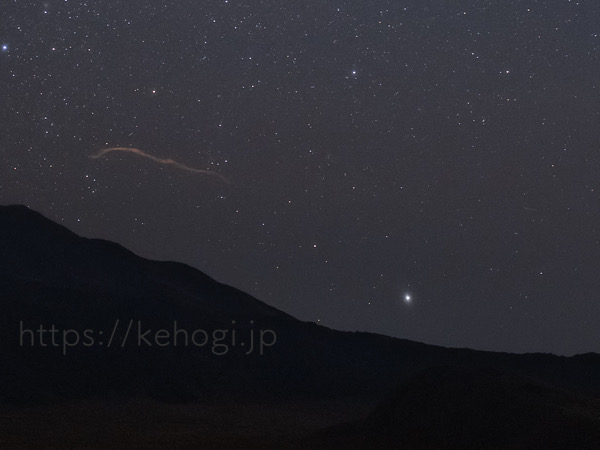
(424, 169)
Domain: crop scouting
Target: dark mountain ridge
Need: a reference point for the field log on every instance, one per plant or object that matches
(51, 276)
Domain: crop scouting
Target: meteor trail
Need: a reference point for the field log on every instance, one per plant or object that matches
(170, 162)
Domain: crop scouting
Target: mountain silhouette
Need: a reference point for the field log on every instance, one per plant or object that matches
(108, 319)
(52, 277)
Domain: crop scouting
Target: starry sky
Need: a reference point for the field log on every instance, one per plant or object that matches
(424, 169)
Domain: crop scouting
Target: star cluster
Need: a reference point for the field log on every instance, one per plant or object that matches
(427, 170)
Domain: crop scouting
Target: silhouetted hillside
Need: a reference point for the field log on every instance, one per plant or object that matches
(54, 279)
(50, 276)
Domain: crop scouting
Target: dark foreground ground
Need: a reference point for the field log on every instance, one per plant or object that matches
(149, 424)
(441, 408)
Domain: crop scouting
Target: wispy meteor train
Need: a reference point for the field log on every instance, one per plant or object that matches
(170, 162)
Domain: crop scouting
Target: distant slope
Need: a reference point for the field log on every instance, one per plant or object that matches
(457, 407)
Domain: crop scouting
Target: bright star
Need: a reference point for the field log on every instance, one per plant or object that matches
(4, 47)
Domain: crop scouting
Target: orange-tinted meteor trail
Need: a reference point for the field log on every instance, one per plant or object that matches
(170, 162)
